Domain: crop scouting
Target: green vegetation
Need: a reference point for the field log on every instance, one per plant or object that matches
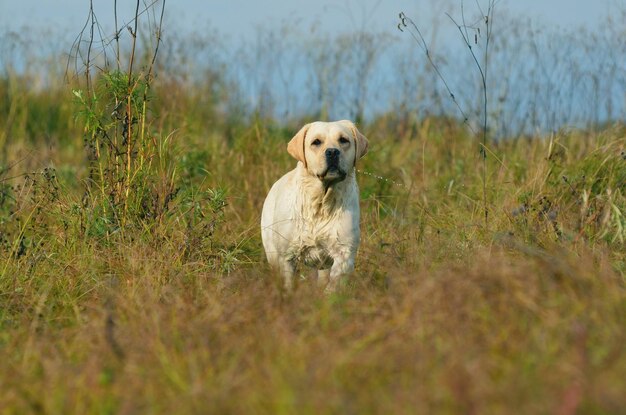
(132, 277)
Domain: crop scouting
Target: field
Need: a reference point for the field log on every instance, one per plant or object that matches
(133, 280)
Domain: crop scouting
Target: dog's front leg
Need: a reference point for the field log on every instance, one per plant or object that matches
(343, 264)
(323, 275)
(287, 270)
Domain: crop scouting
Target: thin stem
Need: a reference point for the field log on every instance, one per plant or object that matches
(483, 77)
(158, 43)
(117, 36)
(129, 115)
(88, 68)
(407, 22)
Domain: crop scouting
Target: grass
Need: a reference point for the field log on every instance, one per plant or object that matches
(174, 309)
(440, 316)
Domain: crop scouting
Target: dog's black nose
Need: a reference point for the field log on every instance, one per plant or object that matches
(332, 153)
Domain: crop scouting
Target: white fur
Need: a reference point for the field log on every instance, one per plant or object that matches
(304, 220)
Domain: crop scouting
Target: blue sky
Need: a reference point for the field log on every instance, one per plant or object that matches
(238, 18)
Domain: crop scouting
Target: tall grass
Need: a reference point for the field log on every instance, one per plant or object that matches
(144, 289)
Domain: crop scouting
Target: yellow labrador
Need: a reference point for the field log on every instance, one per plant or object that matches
(311, 214)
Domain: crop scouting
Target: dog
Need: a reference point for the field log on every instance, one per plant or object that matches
(311, 214)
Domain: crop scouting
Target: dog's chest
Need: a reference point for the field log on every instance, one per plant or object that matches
(316, 243)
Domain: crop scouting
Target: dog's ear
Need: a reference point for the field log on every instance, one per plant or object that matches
(360, 141)
(296, 145)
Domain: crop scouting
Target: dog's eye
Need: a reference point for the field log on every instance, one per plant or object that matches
(344, 140)
(316, 142)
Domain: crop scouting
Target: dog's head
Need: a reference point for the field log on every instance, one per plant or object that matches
(328, 150)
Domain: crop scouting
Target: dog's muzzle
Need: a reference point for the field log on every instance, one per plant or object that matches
(333, 173)
(332, 158)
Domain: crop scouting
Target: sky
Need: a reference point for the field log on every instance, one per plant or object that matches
(240, 18)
